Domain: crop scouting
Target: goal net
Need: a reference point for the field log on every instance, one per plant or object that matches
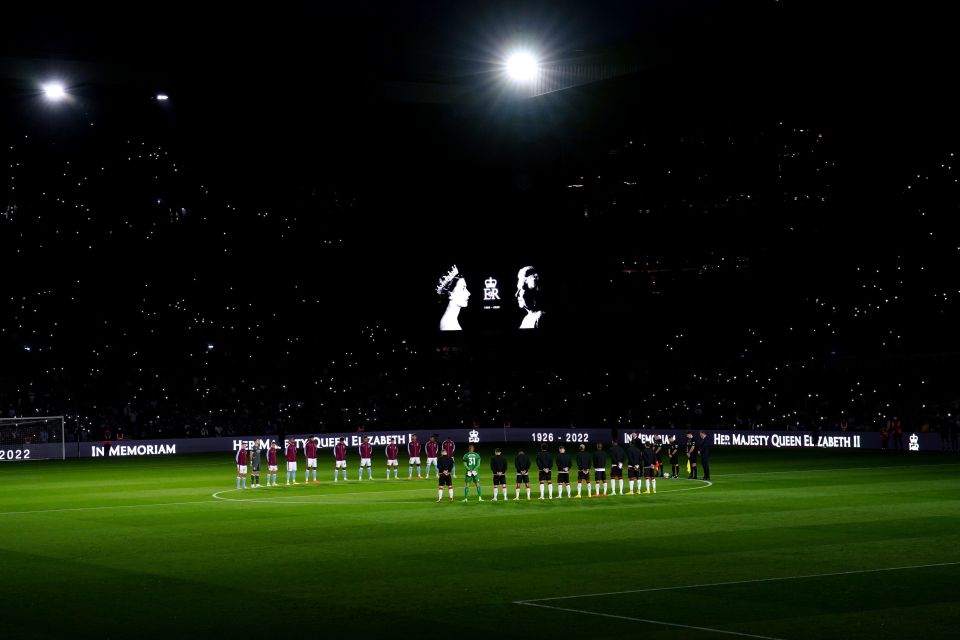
(33, 438)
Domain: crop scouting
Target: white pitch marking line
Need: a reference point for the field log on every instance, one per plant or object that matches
(660, 622)
(112, 506)
(733, 582)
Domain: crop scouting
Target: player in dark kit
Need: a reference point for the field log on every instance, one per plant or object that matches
(649, 462)
(634, 461)
(692, 456)
(445, 470)
(522, 464)
(545, 465)
(255, 465)
(599, 470)
(498, 465)
(584, 462)
(564, 462)
(673, 451)
(705, 454)
(617, 457)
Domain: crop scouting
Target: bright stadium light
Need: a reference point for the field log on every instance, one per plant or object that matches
(54, 91)
(522, 66)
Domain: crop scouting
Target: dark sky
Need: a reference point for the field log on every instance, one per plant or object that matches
(308, 95)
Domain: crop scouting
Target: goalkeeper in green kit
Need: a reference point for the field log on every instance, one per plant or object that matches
(472, 461)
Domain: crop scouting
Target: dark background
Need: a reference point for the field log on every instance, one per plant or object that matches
(758, 181)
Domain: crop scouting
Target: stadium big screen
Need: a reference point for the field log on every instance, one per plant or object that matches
(491, 296)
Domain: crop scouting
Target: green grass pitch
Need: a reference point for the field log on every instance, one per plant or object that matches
(782, 545)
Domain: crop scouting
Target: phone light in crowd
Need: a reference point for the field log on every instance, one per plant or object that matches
(522, 66)
(54, 91)
(162, 97)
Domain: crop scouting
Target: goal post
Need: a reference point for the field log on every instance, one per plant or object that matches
(33, 438)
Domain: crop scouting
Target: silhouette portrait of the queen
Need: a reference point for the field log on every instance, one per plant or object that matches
(452, 290)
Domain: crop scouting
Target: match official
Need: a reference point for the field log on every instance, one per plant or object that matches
(692, 455)
(673, 451)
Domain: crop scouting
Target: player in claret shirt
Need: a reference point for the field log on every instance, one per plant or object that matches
(432, 448)
(310, 451)
(545, 466)
(449, 446)
(522, 464)
(584, 462)
(241, 458)
(413, 448)
(292, 461)
(472, 462)
(634, 465)
(564, 462)
(498, 465)
(600, 470)
(272, 463)
(392, 451)
(445, 466)
(340, 456)
(366, 452)
(617, 456)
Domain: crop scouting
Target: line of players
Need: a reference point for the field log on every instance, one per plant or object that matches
(248, 461)
(643, 462)
(639, 459)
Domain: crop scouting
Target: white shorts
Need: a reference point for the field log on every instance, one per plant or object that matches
(393, 463)
(414, 460)
(291, 466)
(241, 468)
(431, 461)
(341, 464)
(311, 463)
(364, 462)
(271, 467)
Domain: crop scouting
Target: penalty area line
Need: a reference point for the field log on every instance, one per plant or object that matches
(736, 582)
(529, 603)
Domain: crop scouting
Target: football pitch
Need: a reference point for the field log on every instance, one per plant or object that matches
(781, 545)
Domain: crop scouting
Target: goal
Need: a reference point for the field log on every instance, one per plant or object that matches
(32, 438)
